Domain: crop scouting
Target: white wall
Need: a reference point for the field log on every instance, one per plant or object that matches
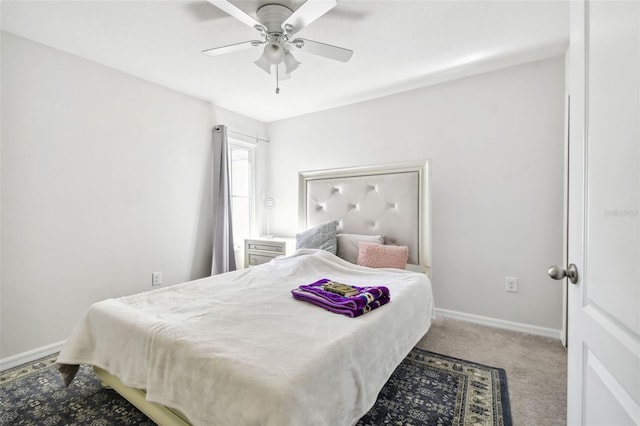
(496, 145)
(106, 178)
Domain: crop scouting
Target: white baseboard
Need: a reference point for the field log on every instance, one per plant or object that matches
(498, 323)
(30, 356)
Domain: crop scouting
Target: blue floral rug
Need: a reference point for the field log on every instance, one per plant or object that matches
(426, 389)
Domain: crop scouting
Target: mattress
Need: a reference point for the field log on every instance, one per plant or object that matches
(237, 348)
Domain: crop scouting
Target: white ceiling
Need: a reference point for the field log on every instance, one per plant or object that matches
(398, 45)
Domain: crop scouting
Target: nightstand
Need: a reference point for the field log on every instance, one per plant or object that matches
(261, 250)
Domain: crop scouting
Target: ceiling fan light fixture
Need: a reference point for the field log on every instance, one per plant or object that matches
(263, 63)
(274, 53)
(277, 24)
(290, 63)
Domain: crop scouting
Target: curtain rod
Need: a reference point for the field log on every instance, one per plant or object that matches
(248, 137)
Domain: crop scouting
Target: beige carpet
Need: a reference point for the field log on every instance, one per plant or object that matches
(536, 366)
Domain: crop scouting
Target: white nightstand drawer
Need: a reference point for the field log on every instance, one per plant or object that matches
(261, 250)
(276, 247)
(258, 259)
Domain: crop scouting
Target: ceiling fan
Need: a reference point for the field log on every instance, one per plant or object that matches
(277, 24)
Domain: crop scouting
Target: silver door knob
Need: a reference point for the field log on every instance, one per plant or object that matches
(557, 273)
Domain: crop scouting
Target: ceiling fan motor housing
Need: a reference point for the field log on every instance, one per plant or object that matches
(272, 16)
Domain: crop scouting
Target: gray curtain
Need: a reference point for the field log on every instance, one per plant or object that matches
(224, 258)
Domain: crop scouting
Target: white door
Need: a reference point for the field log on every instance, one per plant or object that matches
(604, 214)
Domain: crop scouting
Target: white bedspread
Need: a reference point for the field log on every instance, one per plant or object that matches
(237, 349)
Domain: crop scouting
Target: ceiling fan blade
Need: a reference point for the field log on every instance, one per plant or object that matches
(232, 48)
(328, 51)
(236, 12)
(307, 13)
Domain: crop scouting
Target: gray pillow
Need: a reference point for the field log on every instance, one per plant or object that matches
(322, 236)
(348, 245)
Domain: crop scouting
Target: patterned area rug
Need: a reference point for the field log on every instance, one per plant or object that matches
(426, 389)
(432, 389)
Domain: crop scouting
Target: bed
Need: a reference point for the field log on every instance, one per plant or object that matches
(236, 348)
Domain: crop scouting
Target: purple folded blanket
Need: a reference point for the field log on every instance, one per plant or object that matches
(367, 298)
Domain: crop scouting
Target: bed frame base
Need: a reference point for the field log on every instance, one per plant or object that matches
(158, 413)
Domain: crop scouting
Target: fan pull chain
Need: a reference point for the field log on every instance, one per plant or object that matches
(277, 80)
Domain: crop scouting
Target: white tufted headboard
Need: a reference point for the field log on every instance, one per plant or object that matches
(391, 200)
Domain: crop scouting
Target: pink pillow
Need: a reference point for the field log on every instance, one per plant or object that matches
(382, 256)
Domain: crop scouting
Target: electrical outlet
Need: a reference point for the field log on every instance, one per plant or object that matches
(156, 278)
(511, 284)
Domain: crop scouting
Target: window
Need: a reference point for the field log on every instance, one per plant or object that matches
(241, 176)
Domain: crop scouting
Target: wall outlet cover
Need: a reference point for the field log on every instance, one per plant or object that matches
(511, 284)
(156, 278)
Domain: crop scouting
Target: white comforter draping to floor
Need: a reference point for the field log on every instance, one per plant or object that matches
(237, 349)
